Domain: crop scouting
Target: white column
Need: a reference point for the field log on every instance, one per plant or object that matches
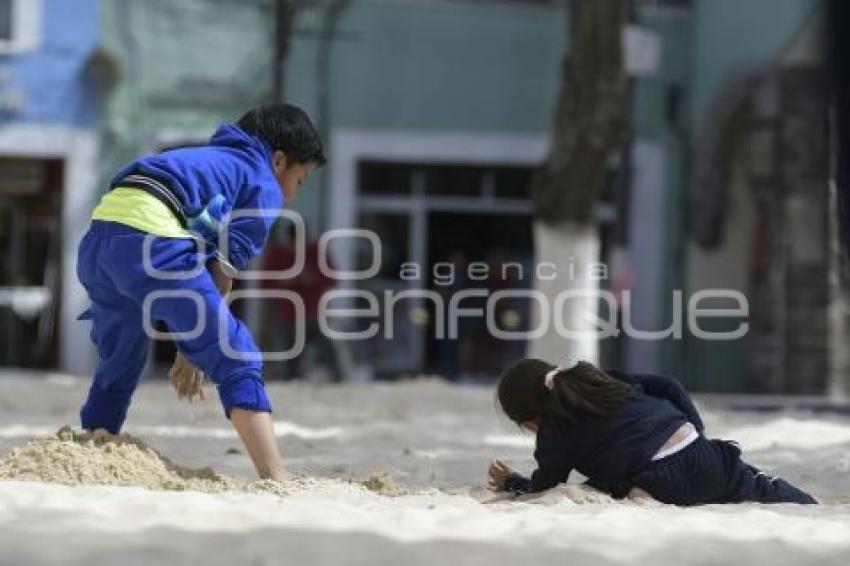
(646, 246)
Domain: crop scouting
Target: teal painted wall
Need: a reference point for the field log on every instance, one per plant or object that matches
(430, 66)
(435, 66)
(731, 34)
(182, 67)
(701, 50)
(421, 66)
(730, 37)
(413, 66)
(188, 64)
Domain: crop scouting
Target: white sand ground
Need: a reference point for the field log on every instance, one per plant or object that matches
(431, 436)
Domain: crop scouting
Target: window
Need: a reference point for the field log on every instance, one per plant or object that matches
(20, 25)
(393, 232)
(379, 178)
(5, 20)
(453, 180)
(666, 4)
(512, 182)
(21, 177)
(465, 180)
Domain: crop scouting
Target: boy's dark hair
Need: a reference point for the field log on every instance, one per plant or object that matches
(580, 392)
(286, 128)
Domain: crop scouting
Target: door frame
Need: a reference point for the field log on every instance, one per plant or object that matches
(349, 147)
(77, 148)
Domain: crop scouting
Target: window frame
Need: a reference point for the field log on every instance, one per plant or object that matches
(25, 31)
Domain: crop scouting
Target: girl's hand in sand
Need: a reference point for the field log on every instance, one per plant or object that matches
(187, 380)
(498, 472)
(638, 495)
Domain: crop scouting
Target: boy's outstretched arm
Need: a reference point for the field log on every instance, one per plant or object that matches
(256, 430)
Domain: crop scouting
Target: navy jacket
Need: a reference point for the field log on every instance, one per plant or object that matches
(609, 450)
(235, 165)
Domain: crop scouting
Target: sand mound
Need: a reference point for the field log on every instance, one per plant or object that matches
(100, 458)
(385, 484)
(575, 493)
(571, 494)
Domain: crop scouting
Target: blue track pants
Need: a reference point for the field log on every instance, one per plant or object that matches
(110, 265)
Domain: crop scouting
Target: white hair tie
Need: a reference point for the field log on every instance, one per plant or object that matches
(549, 378)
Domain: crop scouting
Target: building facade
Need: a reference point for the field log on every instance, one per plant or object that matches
(48, 156)
(435, 114)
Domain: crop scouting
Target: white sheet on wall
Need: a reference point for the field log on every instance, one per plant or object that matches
(642, 50)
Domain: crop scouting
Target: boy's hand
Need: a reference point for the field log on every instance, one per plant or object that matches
(222, 276)
(187, 380)
(498, 473)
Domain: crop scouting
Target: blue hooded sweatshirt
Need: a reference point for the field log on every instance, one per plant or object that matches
(235, 165)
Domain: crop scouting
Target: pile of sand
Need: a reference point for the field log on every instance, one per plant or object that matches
(579, 494)
(100, 458)
(569, 494)
(385, 484)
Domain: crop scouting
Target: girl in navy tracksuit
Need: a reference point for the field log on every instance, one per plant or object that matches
(629, 435)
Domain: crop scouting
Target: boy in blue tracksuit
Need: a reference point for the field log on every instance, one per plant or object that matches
(154, 254)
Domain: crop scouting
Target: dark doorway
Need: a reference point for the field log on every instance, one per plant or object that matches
(504, 244)
(30, 278)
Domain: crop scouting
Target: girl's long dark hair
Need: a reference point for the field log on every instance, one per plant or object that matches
(578, 393)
